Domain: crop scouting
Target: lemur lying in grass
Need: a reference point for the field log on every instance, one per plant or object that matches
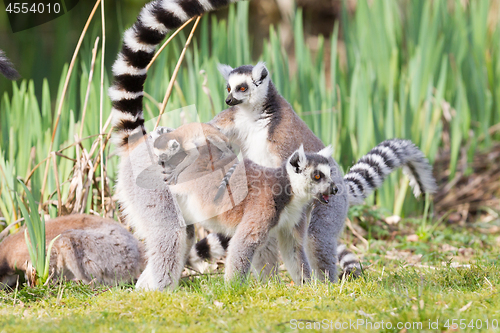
(89, 248)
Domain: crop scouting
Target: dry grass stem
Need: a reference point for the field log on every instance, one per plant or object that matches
(91, 75)
(65, 88)
(176, 71)
(160, 50)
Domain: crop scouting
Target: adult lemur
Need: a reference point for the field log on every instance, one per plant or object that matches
(153, 212)
(267, 129)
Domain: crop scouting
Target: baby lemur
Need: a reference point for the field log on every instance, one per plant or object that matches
(89, 248)
(184, 141)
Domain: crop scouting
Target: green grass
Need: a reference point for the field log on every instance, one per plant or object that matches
(391, 291)
(403, 282)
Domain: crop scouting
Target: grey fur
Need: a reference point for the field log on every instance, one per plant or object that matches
(88, 248)
(272, 207)
(7, 68)
(147, 202)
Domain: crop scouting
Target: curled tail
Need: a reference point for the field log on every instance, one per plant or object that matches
(213, 247)
(372, 169)
(155, 21)
(225, 182)
(7, 68)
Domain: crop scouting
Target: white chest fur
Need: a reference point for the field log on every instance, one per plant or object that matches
(252, 138)
(292, 214)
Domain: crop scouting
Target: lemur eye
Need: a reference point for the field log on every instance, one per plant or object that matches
(317, 177)
(243, 89)
(228, 89)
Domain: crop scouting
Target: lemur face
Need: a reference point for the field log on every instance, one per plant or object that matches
(310, 175)
(245, 84)
(165, 146)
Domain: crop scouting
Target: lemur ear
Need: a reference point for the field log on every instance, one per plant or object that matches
(326, 152)
(298, 160)
(225, 70)
(259, 73)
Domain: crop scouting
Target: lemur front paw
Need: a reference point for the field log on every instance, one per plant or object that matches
(170, 177)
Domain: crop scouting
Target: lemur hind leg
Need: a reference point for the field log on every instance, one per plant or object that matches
(156, 218)
(249, 236)
(326, 224)
(265, 262)
(166, 259)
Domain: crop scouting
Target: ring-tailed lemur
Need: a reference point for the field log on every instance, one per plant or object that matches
(266, 128)
(363, 177)
(7, 68)
(273, 205)
(152, 212)
(89, 247)
(185, 140)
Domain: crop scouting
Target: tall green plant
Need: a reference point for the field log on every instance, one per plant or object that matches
(35, 229)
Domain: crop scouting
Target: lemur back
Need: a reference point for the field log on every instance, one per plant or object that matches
(89, 247)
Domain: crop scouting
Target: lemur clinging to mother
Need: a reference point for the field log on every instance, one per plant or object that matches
(263, 202)
(268, 130)
(185, 140)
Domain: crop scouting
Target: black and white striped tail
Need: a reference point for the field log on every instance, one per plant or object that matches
(348, 262)
(7, 68)
(213, 247)
(155, 21)
(372, 169)
(224, 182)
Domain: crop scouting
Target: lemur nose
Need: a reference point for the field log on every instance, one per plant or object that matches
(229, 101)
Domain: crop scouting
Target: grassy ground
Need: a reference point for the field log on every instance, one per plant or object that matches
(456, 278)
